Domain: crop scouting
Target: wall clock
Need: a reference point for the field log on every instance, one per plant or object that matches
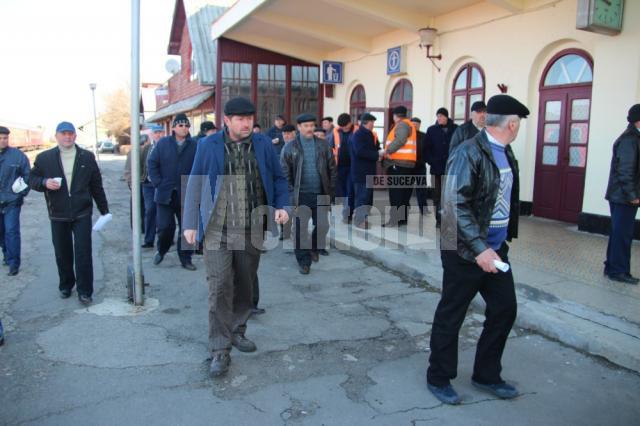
(600, 16)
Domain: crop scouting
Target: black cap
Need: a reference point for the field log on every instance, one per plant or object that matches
(206, 126)
(367, 117)
(400, 110)
(4, 130)
(478, 106)
(180, 118)
(280, 117)
(288, 128)
(416, 120)
(319, 129)
(257, 126)
(443, 111)
(239, 106)
(506, 105)
(305, 118)
(634, 114)
(329, 119)
(344, 119)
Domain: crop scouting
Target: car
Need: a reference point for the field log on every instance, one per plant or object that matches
(107, 146)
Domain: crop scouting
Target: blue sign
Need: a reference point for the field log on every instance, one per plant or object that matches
(332, 72)
(395, 63)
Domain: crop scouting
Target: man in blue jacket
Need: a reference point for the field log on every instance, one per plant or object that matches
(364, 157)
(236, 180)
(168, 164)
(13, 165)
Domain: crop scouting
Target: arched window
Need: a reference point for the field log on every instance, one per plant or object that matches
(357, 103)
(468, 87)
(402, 94)
(569, 69)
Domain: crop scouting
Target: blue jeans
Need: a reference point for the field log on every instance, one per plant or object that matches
(10, 235)
(620, 238)
(149, 213)
(345, 189)
(363, 202)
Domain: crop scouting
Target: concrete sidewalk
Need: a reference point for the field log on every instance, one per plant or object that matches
(562, 292)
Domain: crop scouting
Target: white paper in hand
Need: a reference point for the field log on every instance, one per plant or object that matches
(102, 221)
(19, 185)
(504, 267)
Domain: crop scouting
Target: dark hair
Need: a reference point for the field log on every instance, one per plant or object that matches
(329, 119)
(443, 111)
(344, 119)
(257, 126)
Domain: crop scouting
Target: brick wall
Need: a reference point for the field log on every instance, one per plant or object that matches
(180, 86)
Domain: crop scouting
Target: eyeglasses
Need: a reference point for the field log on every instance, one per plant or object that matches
(183, 125)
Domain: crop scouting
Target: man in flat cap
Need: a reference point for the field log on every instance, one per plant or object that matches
(71, 181)
(310, 168)
(168, 165)
(400, 155)
(14, 167)
(327, 125)
(364, 158)
(471, 127)
(480, 213)
(207, 128)
(275, 131)
(438, 137)
(236, 180)
(623, 194)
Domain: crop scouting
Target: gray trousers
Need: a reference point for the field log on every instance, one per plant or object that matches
(232, 264)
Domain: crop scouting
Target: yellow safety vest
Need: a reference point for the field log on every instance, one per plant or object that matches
(408, 151)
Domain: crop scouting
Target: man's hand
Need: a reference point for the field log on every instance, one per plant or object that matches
(275, 141)
(636, 201)
(281, 216)
(190, 236)
(52, 185)
(485, 260)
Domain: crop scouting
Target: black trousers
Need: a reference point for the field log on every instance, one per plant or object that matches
(319, 214)
(72, 244)
(623, 217)
(420, 190)
(400, 197)
(437, 194)
(167, 216)
(462, 280)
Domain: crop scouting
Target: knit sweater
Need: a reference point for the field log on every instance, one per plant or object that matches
(310, 180)
(68, 158)
(500, 217)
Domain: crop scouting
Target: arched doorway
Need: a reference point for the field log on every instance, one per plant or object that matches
(402, 94)
(563, 136)
(357, 103)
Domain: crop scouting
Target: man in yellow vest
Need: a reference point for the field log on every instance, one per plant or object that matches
(400, 152)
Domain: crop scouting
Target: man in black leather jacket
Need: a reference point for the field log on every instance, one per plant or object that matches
(471, 127)
(623, 194)
(480, 213)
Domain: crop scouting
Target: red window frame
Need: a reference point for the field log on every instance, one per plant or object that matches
(467, 91)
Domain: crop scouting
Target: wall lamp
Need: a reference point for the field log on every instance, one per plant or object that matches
(427, 37)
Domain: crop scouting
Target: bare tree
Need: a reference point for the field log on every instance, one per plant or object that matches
(116, 117)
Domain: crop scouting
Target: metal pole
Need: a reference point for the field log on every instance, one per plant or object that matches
(92, 86)
(138, 297)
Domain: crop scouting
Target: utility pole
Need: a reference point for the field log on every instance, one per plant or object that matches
(92, 86)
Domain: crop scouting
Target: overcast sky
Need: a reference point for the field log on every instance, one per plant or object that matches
(50, 50)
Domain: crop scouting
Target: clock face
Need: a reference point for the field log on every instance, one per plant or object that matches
(608, 13)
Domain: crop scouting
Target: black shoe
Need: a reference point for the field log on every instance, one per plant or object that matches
(85, 300)
(305, 269)
(242, 343)
(257, 311)
(446, 394)
(65, 294)
(323, 252)
(12, 272)
(219, 363)
(189, 266)
(314, 256)
(147, 245)
(501, 390)
(158, 258)
(402, 223)
(624, 278)
(389, 224)
(281, 237)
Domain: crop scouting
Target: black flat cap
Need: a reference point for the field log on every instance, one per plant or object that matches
(478, 106)
(288, 128)
(506, 105)
(239, 106)
(367, 117)
(206, 126)
(180, 118)
(305, 118)
(400, 110)
(4, 130)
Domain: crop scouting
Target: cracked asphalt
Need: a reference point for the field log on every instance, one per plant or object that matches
(345, 345)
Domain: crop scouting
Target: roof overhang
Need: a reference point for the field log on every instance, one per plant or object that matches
(181, 106)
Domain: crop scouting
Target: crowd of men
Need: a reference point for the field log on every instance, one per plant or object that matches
(223, 189)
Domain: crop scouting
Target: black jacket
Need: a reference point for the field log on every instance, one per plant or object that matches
(420, 149)
(291, 163)
(168, 170)
(437, 146)
(463, 132)
(624, 175)
(86, 186)
(469, 197)
(364, 155)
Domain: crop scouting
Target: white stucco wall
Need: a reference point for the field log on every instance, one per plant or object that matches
(512, 50)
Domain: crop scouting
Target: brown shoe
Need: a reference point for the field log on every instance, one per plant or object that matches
(219, 363)
(243, 344)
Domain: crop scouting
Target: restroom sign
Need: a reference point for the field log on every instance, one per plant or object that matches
(396, 60)
(332, 72)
